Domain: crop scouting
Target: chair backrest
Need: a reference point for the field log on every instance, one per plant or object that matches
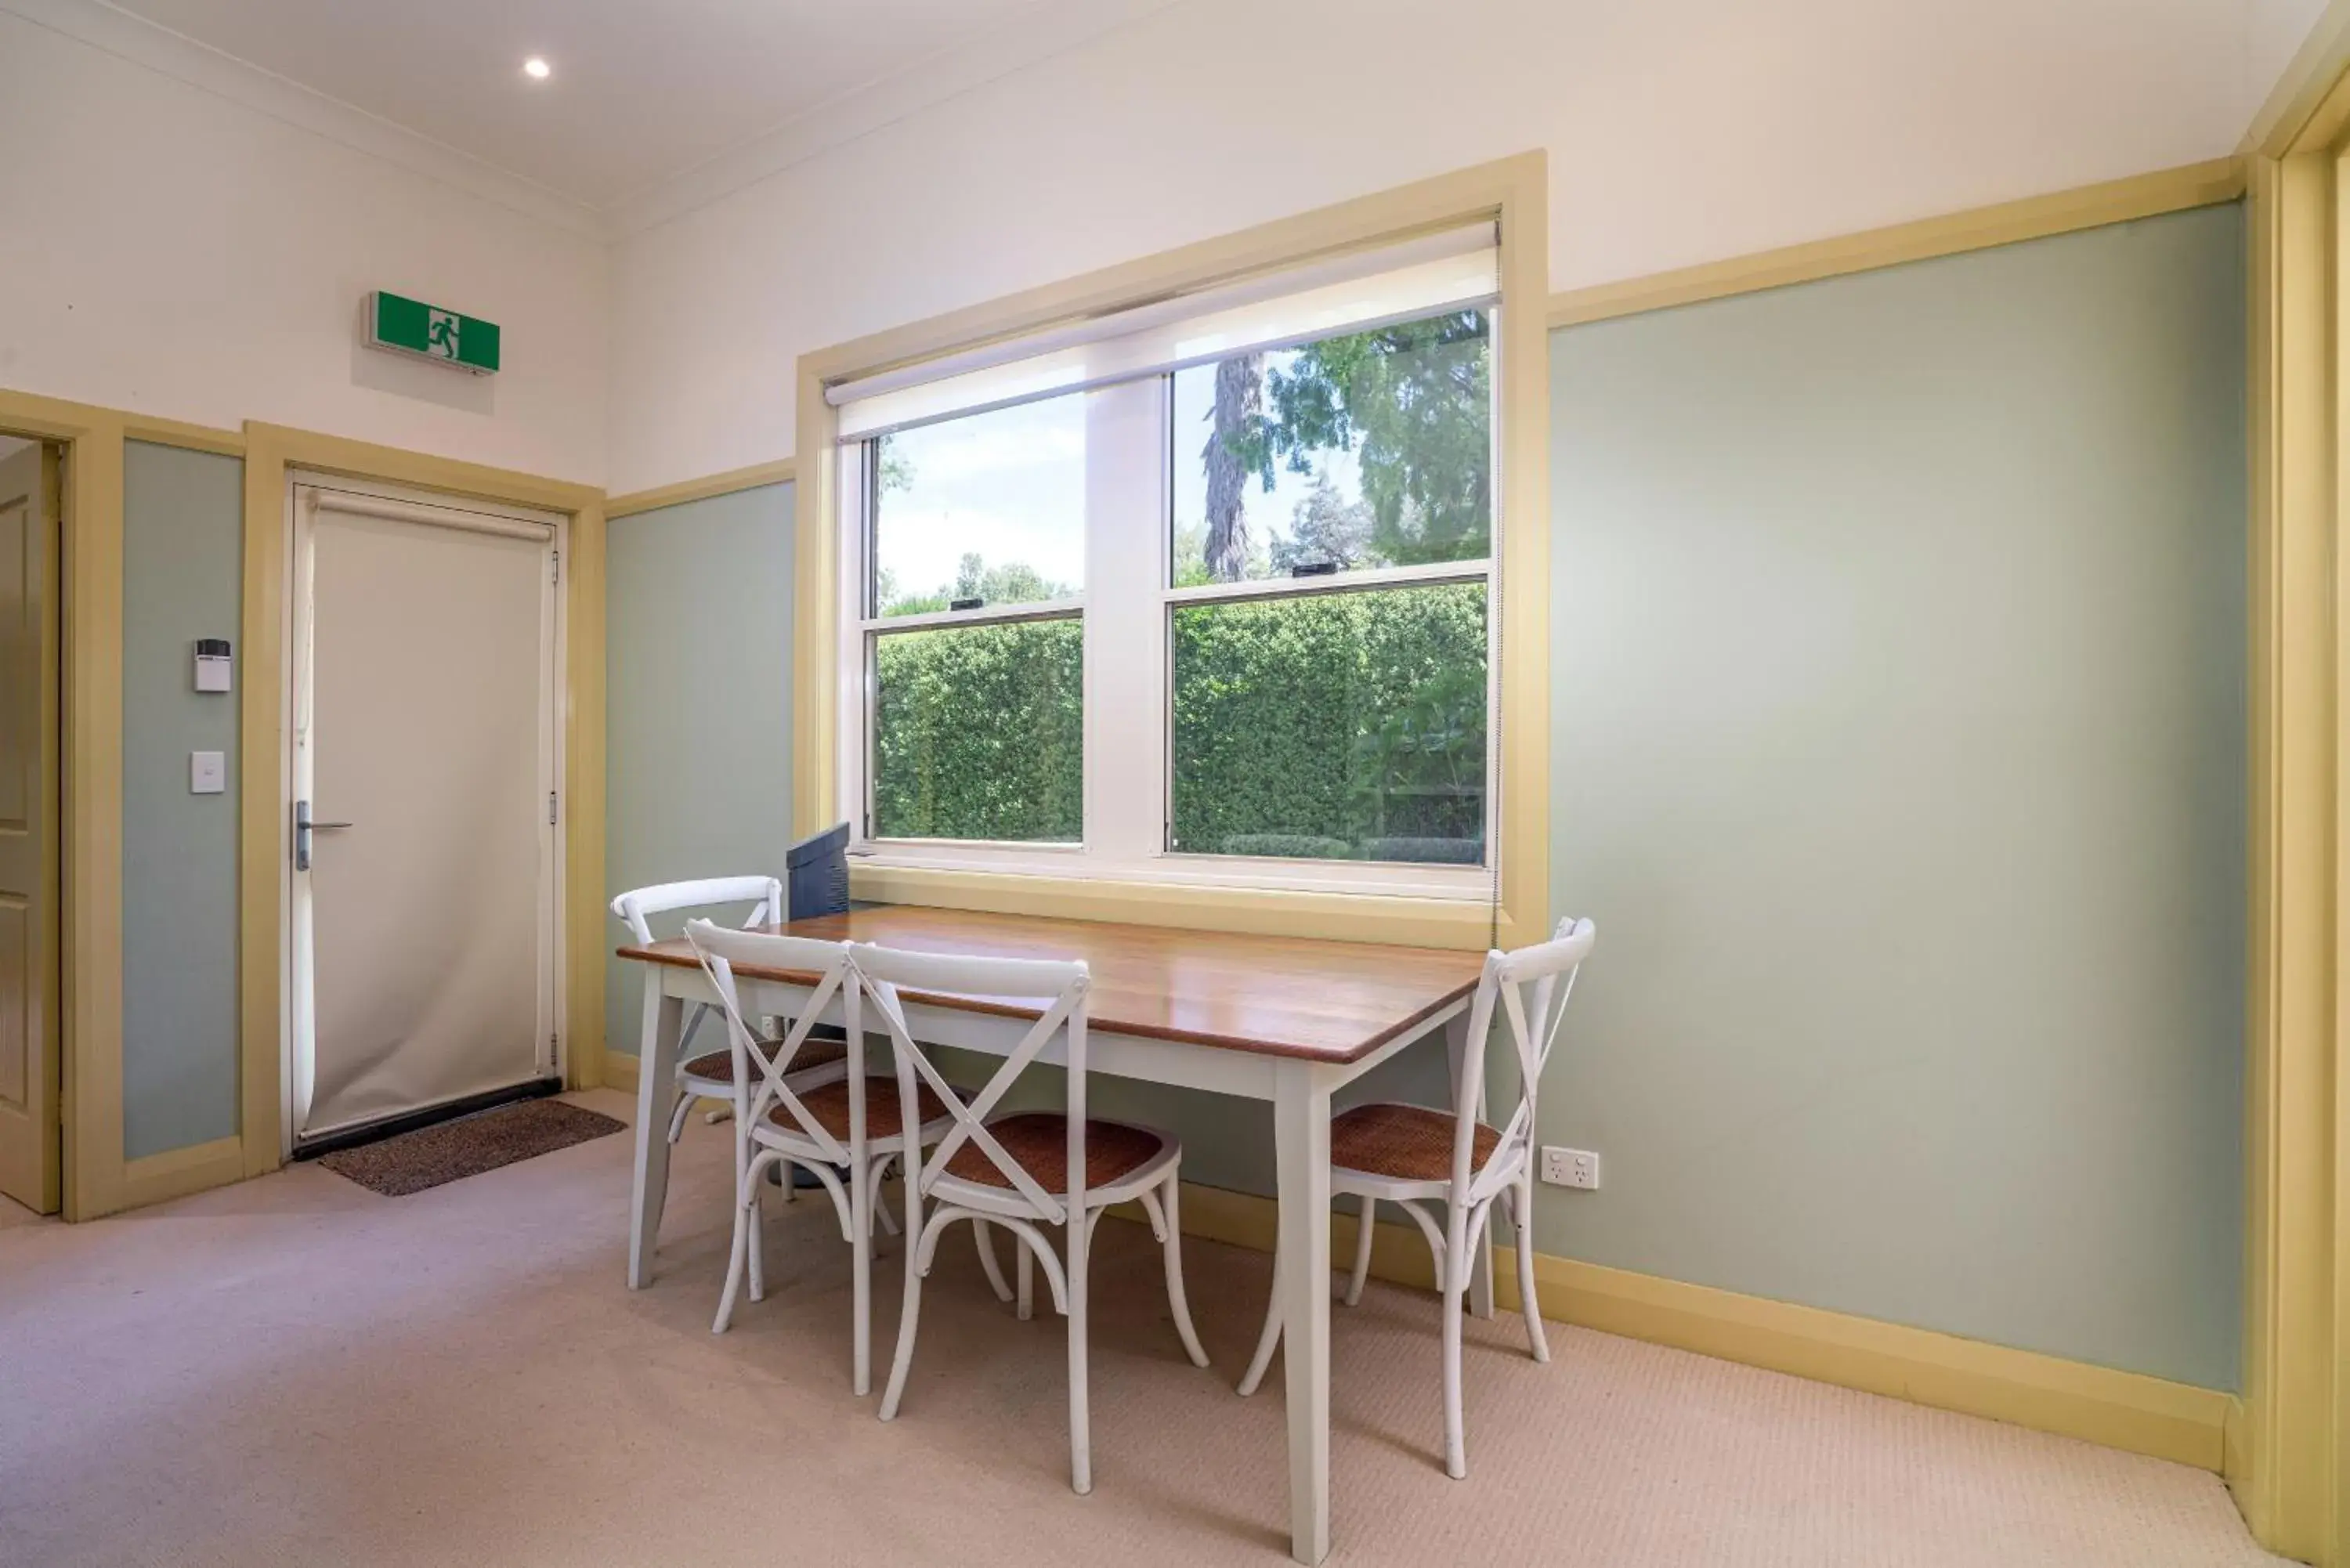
(763, 893)
(1055, 992)
(1530, 987)
(721, 949)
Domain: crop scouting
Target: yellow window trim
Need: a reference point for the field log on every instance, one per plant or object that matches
(1262, 911)
(1515, 192)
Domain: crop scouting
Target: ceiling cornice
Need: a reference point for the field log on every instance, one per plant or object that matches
(1049, 28)
(157, 48)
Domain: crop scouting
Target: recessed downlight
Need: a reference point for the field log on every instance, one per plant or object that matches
(537, 69)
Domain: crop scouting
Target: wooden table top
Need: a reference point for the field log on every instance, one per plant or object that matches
(1276, 996)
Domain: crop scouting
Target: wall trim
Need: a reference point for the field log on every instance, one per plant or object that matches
(2035, 217)
(2127, 1410)
(619, 1071)
(270, 451)
(2211, 183)
(757, 476)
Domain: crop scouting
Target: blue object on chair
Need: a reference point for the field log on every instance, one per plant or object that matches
(817, 871)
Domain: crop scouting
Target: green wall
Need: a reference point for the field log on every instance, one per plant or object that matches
(182, 569)
(698, 740)
(1898, 631)
(1897, 653)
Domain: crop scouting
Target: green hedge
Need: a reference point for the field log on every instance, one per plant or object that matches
(1342, 725)
(980, 733)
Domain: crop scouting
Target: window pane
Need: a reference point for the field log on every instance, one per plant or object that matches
(979, 733)
(1341, 725)
(991, 508)
(1373, 449)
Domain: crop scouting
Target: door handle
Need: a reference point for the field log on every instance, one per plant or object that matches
(303, 827)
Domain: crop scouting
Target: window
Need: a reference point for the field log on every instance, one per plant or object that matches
(978, 541)
(1201, 593)
(1331, 719)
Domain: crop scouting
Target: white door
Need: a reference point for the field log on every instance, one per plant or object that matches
(425, 880)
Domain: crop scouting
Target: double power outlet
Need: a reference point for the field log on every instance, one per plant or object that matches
(1570, 1167)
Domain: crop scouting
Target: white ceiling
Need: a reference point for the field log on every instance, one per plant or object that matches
(642, 90)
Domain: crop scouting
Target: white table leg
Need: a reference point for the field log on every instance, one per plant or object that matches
(656, 1079)
(1481, 1284)
(1302, 1154)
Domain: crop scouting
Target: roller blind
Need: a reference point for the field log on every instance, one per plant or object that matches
(1457, 269)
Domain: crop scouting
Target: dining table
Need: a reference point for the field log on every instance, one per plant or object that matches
(1288, 1021)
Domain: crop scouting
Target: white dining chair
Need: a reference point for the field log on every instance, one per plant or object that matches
(1025, 1170)
(709, 1075)
(834, 1120)
(1412, 1155)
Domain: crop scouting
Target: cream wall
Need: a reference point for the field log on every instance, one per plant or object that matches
(175, 253)
(1681, 131)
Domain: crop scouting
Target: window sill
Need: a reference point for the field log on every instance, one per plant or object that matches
(1366, 917)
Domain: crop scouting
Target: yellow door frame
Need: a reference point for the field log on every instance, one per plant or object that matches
(95, 1176)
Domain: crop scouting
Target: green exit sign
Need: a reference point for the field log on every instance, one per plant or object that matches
(412, 327)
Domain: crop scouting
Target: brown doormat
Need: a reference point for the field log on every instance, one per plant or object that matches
(430, 1156)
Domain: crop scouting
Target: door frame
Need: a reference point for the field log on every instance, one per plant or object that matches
(273, 454)
(552, 916)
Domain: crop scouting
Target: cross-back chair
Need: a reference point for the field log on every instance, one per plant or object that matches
(1028, 1171)
(832, 1123)
(1414, 1156)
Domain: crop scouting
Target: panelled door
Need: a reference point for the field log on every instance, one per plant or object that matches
(425, 860)
(28, 825)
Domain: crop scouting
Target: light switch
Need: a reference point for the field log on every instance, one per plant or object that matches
(207, 773)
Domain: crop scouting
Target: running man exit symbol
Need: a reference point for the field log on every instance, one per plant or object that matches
(433, 332)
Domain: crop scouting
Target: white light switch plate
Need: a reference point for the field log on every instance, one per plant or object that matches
(207, 773)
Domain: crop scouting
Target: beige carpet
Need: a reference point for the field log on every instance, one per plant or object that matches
(298, 1371)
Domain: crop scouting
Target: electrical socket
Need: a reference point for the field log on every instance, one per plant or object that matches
(1570, 1167)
